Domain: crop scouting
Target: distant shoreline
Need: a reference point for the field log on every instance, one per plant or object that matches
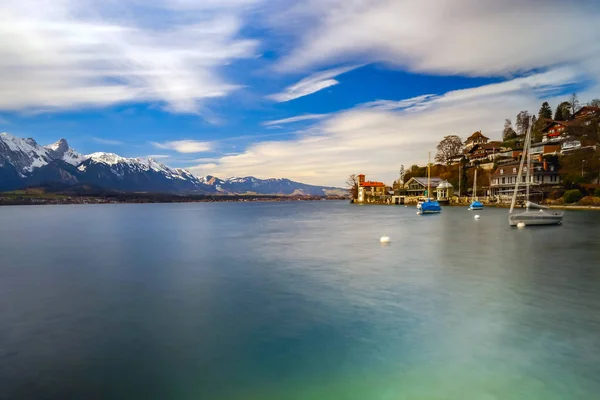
(142, 198)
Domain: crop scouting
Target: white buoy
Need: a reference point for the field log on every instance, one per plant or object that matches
(521, 224)
(405, 206)
(477, 216)
(384, 239)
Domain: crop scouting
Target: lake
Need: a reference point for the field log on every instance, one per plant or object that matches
(295, 300)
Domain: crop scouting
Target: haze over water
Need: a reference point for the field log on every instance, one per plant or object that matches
(295, 300)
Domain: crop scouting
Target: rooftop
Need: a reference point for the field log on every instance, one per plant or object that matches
(372, 184)
(476, 135)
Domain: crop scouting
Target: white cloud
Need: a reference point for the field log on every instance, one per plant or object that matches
(473, 37)
(184, 146)
(305, 117)
(108, 141)
(311, 84)
(376, 140)
(82, 53)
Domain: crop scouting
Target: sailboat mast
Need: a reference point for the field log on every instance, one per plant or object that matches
(528, 168)
(475, 185)
(428, 175)
(525, 150)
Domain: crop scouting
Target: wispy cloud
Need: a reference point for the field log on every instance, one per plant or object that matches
(83, 53)
(388, 105)
(312, 84)
(376, 138)
(305, 117)
(108, 141)
(470, 37)
(184, 146)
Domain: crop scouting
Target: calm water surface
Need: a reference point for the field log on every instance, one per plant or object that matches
(295, 301)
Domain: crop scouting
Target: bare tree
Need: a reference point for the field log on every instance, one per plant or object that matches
(450, 147)
(522, 124)
(508, 132)
(574, 103)
(352, 183)
(594, 103)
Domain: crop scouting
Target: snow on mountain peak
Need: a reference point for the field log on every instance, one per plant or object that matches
(24, 154)
(62, 151)
(61, 145)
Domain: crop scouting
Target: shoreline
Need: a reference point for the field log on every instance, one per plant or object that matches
(78, 200)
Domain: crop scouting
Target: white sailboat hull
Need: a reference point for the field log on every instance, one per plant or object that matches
(541, 217)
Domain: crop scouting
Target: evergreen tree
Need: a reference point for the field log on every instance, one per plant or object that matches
(545, 111)
(562, 112)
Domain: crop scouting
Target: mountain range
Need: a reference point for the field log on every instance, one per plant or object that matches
(25, 163)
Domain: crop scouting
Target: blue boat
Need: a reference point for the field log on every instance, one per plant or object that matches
(476, 205)
(428, 206)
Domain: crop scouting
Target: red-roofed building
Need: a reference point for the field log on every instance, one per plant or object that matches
(370, 191)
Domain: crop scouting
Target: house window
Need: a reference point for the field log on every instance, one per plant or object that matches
(514, 170)
(501, 172)
(503, 179)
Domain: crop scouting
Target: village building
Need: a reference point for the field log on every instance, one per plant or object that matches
(475, 138)
(543, 176)
(587, 112)
(444, 191)
(483, 152)
(370, 191)
(417, 186)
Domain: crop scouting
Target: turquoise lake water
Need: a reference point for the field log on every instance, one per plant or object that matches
(295, 300)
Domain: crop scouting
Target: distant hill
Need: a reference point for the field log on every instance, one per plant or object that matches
(25, 163)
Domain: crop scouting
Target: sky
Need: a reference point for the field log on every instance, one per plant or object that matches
(310, 90)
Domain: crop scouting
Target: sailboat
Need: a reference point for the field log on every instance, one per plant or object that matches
(428, 206)
(475, 205)
(543, 216)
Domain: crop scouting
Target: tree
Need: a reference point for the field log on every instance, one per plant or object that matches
(449, 147)
(562, 112)
(508, 132)
(523, 120)
(573, 104)
(352, 183)
(593, 103)
(545, 111)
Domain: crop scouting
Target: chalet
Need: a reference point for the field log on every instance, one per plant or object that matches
(417, 186)
(542, 177)
(587, 112)
(475, 138)
(484, 151)
(370, 191)
(555, 131)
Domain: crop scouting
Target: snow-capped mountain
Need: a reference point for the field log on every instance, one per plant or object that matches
(24, 155)
(23, 163)
(61, 151)
(252, 185)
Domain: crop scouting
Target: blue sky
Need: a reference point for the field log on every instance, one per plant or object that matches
(309, 90)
